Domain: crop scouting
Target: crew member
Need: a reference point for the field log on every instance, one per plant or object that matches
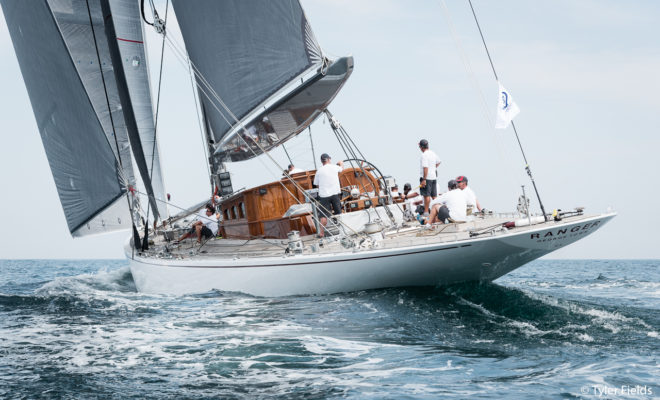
(205, 225)
(292, 169)
(428, 163)
(395, 191)
(327, 180)
(413, 199)
(470, 197)
(451, 204)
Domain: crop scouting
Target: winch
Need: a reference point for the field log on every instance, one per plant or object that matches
(295, 243)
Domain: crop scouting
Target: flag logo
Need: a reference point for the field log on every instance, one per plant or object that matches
(506, 108)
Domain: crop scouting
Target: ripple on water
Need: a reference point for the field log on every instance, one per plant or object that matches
(89, 334)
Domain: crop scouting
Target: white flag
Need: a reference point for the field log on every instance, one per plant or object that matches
(506, 108)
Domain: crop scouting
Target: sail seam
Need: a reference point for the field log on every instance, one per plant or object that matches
(129, 40)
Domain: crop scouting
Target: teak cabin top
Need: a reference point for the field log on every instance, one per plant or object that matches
(259, 211)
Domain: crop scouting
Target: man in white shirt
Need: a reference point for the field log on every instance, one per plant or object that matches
(205, 225)
(394, 191)
(451, 204)
(327, 180)
(470, 197)
(428, 163)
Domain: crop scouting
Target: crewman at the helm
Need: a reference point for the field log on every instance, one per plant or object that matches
(327, 180)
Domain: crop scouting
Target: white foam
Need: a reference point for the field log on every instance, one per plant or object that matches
(337, 347)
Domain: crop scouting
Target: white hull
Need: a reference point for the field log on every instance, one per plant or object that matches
(479, 259)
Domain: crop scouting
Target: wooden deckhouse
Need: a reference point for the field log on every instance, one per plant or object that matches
(259, 211)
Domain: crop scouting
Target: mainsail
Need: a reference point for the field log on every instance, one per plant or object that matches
(87, 174)
(244, 52)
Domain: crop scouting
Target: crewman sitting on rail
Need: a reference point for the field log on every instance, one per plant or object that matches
(205, 225)
(449, 206)
(470, 197)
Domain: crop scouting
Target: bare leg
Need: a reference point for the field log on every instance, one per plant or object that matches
(427, 201)
(433, 218)
(198, 231)
(184, 236)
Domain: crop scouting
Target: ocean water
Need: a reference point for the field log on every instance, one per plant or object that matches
(552, 329)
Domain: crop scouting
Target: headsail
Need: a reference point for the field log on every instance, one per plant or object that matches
(73, 21)
(119, 94)
(125, 17)
(87, 174)
(245, 52)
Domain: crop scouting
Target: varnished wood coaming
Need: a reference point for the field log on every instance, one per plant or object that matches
(258, 212)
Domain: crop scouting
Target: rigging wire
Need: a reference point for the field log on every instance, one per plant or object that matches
(287, 154)
(144, 18)
(312, 144)
(480, 93)
(213, 95)
(527, 168)
(199, 124)
(343, 139)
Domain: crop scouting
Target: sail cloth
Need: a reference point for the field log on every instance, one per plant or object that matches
(132, 121)
(246, 51)
(288, 116)
(73, 20)
(128, 27)
(87, 175)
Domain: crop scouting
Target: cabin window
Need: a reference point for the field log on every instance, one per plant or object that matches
(225, 213)
(233, 212)
(241, 210)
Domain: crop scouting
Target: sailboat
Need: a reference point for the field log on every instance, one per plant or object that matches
(261, 79)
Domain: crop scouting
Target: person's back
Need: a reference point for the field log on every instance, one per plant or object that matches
(430, 160)
(327, 180)
(455, 202)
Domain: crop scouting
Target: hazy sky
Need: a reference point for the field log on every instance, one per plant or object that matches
(584, 73)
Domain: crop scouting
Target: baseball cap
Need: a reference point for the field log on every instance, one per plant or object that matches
(452, 184)
(424, 143)
(462, 178)
(325, 156)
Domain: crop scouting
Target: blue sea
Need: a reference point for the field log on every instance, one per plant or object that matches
(552, 329)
